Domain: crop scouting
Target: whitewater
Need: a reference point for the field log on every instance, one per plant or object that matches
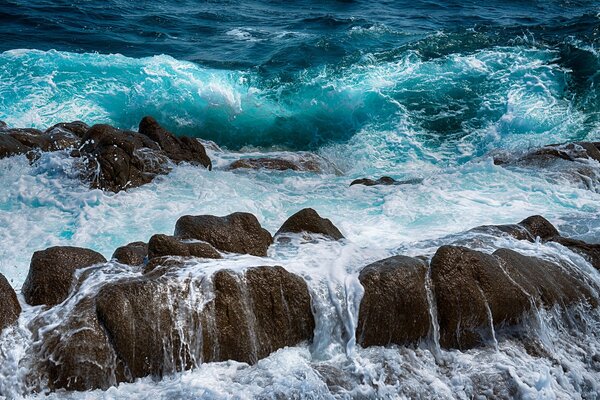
(433, 105)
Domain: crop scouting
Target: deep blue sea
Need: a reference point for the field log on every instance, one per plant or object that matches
(425, 90)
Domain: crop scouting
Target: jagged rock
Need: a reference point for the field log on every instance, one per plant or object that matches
(157, 328)
(551, 153)
(163, 245)
(476, 292)
(278, 164)
(51, 273)
(77, 128)
(118, 160)
(10, 309)
(384, 180)
(394, 308)
(53, 141)
(131, 254)
(309, 221)
(10, 146)
(235, 233)
(178, 149)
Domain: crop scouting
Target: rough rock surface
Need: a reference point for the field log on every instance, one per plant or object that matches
(528, 229)
(51, 273)
(394, 308)
(277, 164)
(235, 233)
(9, 146)
(52, 141)
(384, 180)
(164, 245)
(309, 221)
(131, 254)
(10, 309)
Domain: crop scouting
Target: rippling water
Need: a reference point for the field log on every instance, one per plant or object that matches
(419, 89)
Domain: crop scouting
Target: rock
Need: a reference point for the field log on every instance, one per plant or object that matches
(10, 146)
(160, 326)
(308, 220)
(56, 140)
(477, 292)
(51, 273)
(178, 149)
(131, 254)
(384, 180)
(277, 164)
(590, 252)
(168, 262)
(548, 154)
(469, 287)
(267, 310)
(2, 125)
(118, 160)
(235, 233)
(394, 308)
(163, 245)
(529, 229)
(10, 309)
(77, 128)
(75, 354)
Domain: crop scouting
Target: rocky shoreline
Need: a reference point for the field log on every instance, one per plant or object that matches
(153, 319)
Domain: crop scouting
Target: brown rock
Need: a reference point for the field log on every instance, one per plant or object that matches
(10, 309)
(10, 146)
(77, 128)
(394, 308)
(51, 273)
(236, 233)
(163, 245)
(308, 220)
(131, 254)
(277, 164)
(589, 251)
(384, 180)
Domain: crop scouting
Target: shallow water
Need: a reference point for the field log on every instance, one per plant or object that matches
(423, 90)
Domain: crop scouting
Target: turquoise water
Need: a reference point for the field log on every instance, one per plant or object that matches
(424, 89)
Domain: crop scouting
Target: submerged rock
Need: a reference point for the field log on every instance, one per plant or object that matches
(235, 233)
(589, 251)
(278, 164)
(51, 272)
(394, 308)
(10, 309)
(309, 221)
(529, 229)
(545, 155)
(77, 128)
(9, 146)
(131, 254)
(163, 245)
(384, 180)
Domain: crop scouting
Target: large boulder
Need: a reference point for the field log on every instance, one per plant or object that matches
(51, 272)
(9, 146)
(394, 308)
(131, 254)
(159, 326)
(477, 292)
(529, 229)
(178, 149)
(164, 245)
(309, 221)
(235, 233)
(10, 309)
(52, 141)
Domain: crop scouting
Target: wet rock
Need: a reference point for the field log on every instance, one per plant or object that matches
(10, 146)
(118, 160)
(547, 283)
(471, 290)
(2, 125)
(394, 308)
(35, 139)
(163, 245)
(529, 229)
(589, 251)
(131, 254)
(277, 164)
(267, 310)
(159, 326)
(384, 180)
(178, 149)
(309, 221)
(51, 273)
(10, 309)
(158, 266)
(235, 233)
(76, 354)
(77, 128)
(546, 155)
